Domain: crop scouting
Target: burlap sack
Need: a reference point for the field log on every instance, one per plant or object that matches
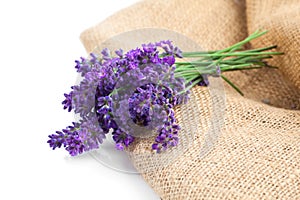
(258, 153)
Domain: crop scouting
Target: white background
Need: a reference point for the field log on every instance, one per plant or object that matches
(39, 41)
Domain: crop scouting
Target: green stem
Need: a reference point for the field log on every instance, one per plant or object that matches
(248, 58)
(238, 53)
(228, 59)
(232, 85)
(255, 35)
(262, 49)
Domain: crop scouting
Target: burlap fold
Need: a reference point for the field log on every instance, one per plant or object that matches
(258, 153)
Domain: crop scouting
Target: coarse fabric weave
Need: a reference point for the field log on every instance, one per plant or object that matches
(257, 155)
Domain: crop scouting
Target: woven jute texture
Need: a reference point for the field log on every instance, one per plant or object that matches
(257, 155)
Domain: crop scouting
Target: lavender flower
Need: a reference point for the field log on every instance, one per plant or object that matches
(74, 144)
(68, 101)
(68, 138)
(104, 113)
(83, 66)
(122, 139)
(169, 48)
(91, 133)
(57, 140)
(105, 94)
(83, 136)
(168, 133)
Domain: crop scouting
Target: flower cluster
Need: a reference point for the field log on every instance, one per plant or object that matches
(139, 86)
(69, 138)
(143, 104)
(83, 136)
(133, 94)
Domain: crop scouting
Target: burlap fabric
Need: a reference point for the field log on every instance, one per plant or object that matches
(258, 153)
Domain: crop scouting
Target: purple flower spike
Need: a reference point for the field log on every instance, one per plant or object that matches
(74, 144)
(56, 140)
(83, 66)
(68, 101)
(169, 60)
(122, 138)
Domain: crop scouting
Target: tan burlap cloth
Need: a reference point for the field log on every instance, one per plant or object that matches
(258, 153)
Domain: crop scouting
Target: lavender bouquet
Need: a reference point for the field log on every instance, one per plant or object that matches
(133, 94)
